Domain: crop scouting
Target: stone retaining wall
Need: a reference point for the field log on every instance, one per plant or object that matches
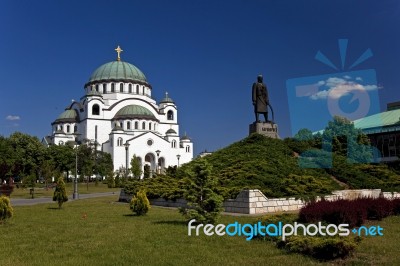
(255, 202)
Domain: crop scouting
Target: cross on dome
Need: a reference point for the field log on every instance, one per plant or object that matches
(118, 50)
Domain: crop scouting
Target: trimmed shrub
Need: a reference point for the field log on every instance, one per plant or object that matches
(352, 212)
(140, 204)
(321, 248)
(6, 211)
(60, 194)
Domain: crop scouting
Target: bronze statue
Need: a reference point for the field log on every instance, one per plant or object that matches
(260, 99)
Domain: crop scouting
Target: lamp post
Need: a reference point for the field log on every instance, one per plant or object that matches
(158, 161)
(178, 157)
(127, 157)
(75, 195)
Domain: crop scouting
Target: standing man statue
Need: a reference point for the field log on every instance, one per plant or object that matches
(260, 99)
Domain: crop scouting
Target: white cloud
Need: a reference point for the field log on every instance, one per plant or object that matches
(13, 117)
(338, 87)
(320, 95)
(333, 82)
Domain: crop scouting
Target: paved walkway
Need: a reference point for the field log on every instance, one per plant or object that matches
(26, 202)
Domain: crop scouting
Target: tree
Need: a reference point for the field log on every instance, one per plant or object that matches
(140, 203)
(6, 211)
(203, 203)
(340, 136)
(62, 157)
(29, 154)
(60, 194)
(47, 171)
(110, 179)
(136, 167)
(7, 159)
(304, 134)
(146, 172)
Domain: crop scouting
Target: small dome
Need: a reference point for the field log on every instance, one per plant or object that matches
(68, 116)
(117, 71)
(167, 99)
(94, 93)
(170, 132)
(135, 111)
(185, 137)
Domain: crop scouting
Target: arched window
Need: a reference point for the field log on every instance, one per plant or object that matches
(75, 128)
(130, 88)
(95, 109)
(155, 127)
(137, 89)
(170, 115)
(187, 148)
(121, 87)
(136, 125)
(149, 126)
(112, 87)
(119, 142)
(173, 144)
(68, 128)
(143, 125)
(97, 87)
(128, 125)
(104, 88)
(61, 128)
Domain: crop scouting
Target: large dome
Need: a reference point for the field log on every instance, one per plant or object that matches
(68, 116)
(117, 71)
(135, 112)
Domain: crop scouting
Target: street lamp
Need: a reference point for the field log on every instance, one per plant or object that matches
(178, 157)
(127, 157)
(158, 161)
(75, 195)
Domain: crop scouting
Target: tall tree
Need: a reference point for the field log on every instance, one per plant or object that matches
(204, 204)
(29, 154)
(136, 168)
(340, 136)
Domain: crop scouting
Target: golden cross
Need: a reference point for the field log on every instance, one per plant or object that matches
(119, 50)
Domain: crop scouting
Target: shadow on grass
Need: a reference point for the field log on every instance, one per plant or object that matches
(53, 208)
(174, 222)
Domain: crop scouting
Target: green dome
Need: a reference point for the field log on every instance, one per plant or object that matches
(68, 116)
(117, 70)
(135, 111)
(167, 99)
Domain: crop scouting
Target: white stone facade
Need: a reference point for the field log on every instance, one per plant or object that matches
(118, 112)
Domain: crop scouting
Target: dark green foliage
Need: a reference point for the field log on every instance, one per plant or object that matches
(6, 211)
(267, 164)
(146, 172)
(341, 137)
(160, 186)
(203, 203)
(110, 179)
(322, 248)
(60, 194)
(135, 167)
(139, 204)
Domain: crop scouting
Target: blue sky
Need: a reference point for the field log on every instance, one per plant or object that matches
(206, 54)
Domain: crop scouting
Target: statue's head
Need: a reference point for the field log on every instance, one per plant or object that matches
(260, 78)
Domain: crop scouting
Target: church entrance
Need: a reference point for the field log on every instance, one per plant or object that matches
(150, 160)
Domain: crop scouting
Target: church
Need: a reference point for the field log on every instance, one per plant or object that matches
(118, 115)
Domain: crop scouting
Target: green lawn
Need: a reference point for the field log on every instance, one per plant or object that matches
(110, 235)
(40, 191)
(103, 232)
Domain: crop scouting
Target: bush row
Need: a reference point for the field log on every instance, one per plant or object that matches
(352, 212)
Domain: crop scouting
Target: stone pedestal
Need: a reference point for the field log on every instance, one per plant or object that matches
(268, 129)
